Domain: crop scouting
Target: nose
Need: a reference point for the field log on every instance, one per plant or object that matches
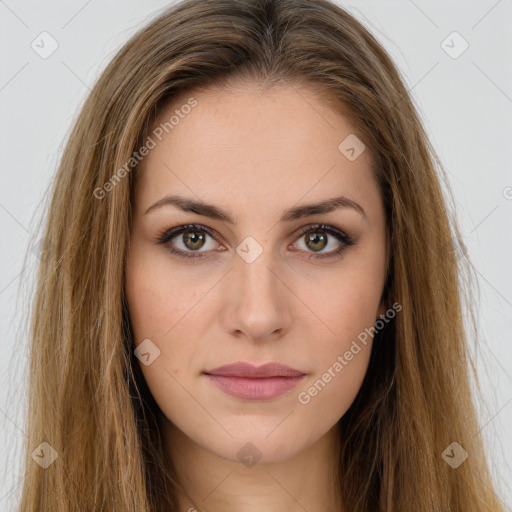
(258, 303)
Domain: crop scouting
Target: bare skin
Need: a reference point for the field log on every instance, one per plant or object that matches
(255, 155)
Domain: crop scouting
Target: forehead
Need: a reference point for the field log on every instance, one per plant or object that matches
(245, 145)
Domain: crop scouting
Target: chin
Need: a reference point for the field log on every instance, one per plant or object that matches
(254, 447)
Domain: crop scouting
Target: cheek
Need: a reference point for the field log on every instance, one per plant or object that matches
(165, 309)
(158, 296)
(340, 359)
(161, 310)
(346, 304)
(329, 395)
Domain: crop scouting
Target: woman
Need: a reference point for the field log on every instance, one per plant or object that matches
(250, 298)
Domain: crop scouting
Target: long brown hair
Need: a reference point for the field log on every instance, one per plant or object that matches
(87, 397)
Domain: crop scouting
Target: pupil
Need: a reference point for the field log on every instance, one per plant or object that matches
(194, 238)
(315, 238)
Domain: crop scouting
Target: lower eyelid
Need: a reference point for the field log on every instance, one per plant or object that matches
(341, 237)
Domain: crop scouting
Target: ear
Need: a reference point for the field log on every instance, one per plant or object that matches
(381, 310)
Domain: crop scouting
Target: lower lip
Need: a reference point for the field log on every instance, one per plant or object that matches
(255, 389)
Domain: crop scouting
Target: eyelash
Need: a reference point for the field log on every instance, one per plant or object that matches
(167, 235)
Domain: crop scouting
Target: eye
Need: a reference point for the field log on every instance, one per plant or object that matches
(191, 241)
(316, 238)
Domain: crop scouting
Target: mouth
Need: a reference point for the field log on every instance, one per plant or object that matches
(249, 382)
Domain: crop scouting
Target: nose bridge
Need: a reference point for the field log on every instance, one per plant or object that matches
(259, 307)
(257, 280)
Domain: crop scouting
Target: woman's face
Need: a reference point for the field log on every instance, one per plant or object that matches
(255, 280)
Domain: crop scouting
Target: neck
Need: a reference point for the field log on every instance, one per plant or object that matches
(307, 481)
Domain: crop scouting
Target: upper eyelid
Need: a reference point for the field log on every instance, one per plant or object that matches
(297, 233)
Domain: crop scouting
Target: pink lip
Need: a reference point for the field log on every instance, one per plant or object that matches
(244, 380)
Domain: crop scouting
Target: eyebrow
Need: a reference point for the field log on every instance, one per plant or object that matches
(297, 212)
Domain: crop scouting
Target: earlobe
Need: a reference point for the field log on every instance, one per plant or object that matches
(381, 312)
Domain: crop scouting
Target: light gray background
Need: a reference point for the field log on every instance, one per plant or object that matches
(466, 105)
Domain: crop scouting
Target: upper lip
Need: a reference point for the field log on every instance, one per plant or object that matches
(242, 369)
